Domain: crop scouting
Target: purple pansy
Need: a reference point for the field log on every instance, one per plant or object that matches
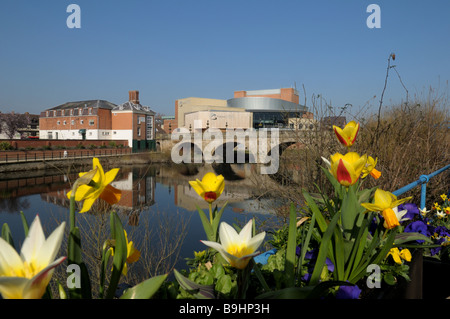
(418, 227)
(348, 292)
(412, 209)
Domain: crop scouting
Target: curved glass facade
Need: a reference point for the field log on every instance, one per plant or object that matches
(269, 112)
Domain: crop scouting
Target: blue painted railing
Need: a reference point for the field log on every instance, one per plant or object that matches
(423, 180)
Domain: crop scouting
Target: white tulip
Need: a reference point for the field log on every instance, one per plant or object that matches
(27, 275)
(236, 248)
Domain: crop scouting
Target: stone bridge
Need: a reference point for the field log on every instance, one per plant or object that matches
(232, 146)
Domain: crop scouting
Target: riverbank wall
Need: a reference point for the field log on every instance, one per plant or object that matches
(63, 165)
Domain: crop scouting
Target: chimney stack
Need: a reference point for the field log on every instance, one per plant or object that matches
(133, 97)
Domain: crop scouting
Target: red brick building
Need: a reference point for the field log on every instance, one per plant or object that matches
(101, 120)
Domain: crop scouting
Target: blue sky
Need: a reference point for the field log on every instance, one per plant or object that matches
(176, 49)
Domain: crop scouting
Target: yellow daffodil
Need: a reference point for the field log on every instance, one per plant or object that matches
(447, 210)
(398, 255)
(210, 187)
(348, 134)
(369, 168)
(347, 168)
(98, 187)
(236, 248)
(133, 254)
(444, 197)
(27, 275)
(386, 203)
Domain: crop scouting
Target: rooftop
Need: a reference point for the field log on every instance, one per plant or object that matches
(88, 103)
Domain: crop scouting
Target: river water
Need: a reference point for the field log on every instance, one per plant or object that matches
(158, 209)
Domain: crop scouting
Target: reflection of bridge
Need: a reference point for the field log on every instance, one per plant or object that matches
(242, 186)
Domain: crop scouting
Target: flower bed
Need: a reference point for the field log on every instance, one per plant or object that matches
(354, 242)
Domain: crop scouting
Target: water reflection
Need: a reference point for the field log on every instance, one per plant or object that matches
(155, 199)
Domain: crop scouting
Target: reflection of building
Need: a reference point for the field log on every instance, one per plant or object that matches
(248, 109)
(138, 193)
(101, 120)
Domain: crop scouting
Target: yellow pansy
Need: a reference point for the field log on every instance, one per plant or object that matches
(398, 255)
(98, 187)
(210, 187)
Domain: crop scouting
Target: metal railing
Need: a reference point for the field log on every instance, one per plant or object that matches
(423, 180)
(47, 155)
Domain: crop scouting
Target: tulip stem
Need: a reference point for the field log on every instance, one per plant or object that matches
(210, 213)
(72, 212)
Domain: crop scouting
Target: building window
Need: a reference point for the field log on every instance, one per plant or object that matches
(58, 122)
(64, 123)
(73, 122)
(90, 110)
(50, 135)
(91, 122)
(81, 121)
(139, 131)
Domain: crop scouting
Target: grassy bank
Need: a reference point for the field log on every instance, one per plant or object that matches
(409, 140)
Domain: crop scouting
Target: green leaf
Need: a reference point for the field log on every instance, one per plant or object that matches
(7, 235)
(408, 237)
(146, 289)
(197, 290)
(74, 257)
(62, 292)
(315, 210)
(225, 285)
(106, 254)
(206, 225)
(216, 221)
(291, 247)
(24, 223)
(337, 186)
(217, 270)
(323, 250)
(349, 210)
(120, 254)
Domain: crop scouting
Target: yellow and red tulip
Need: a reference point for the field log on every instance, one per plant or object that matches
(27, 275)
(210, 187)
(98, 187)
(348, 134)
(347, 168)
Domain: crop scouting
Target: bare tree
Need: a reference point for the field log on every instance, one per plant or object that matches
(12, 122)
